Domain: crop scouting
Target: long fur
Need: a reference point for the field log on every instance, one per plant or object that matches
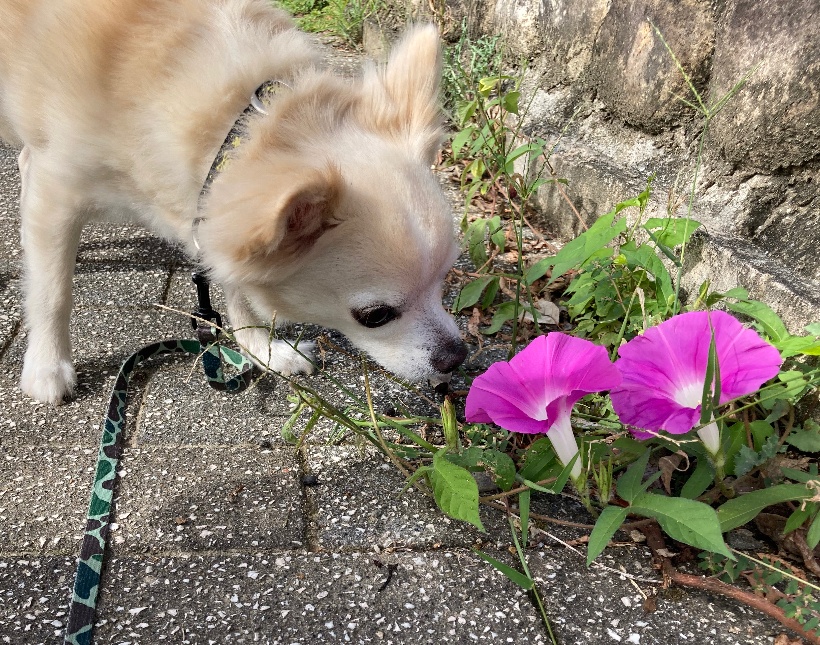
(329, 206)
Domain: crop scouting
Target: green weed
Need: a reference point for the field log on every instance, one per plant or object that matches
(344, 19)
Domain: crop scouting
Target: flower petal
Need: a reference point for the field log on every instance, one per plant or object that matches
(636, 406)
(746, 361)
(664, 370)
(553, 370)
(566, 363)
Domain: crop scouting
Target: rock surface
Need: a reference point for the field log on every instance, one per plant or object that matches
(599, 77)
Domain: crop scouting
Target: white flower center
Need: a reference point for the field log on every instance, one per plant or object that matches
(690, 395)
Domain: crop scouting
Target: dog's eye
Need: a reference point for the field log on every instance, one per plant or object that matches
(375, 316)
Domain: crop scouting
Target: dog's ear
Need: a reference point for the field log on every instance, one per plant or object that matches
(402, 96)
(297, 217)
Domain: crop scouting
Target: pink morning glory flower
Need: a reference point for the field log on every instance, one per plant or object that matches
(664, 371)
(535, 391)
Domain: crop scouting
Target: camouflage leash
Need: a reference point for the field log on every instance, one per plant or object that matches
(90, 563)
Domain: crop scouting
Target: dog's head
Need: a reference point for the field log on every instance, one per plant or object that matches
(330, 213)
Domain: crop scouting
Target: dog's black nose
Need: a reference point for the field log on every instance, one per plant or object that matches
(449, 356)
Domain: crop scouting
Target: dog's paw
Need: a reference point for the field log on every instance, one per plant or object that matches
(281, 357)
(49, 383)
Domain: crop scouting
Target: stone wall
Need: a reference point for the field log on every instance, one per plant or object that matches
(758, 193)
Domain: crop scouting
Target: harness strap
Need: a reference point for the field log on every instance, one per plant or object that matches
(99, 518)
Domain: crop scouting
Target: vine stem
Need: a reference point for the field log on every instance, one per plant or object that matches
(654, 539)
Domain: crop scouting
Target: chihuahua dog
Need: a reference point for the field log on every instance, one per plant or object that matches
(327, 211)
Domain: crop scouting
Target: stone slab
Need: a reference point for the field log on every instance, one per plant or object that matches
(44, 493)
(358, 503)
(34, 597)
(11, 310)
(181, 408)
(314, 598)
(127, 244)
(609, 606)
(208, 499)
(102, 341)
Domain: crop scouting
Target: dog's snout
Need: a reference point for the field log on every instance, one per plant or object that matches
(449, 356)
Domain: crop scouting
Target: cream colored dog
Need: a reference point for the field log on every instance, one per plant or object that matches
(328, 212)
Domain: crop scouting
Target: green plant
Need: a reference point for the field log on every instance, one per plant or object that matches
(774, 579)
(345, 19)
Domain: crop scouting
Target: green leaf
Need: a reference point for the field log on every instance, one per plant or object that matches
(489, 295)
(746, 458)
(796, 520)
(671, 231)
(645, 257)
(813, 534)
(807, 438)
(794, 381)
(685, 520)
(813, 329)
(461, 139)
(736, 512)
(738, 293)
(711, 384)
(537, 460)
(629, 484)
(509, 102)
(605, 229)
(455, 490)
(467, 458)
(502, 467)
(498, 235)
(561, 478)
(475, 241)
(761, 431)
(516, 576)
(471, 293)
(609, 521)
(466, 110)
(799, 475)
(794, 345)
(503, 313)
(764, 315)
(520, 151)
(737, 439)
(700, 479)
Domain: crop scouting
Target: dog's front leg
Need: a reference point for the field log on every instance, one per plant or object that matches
(254, 339)
(50, 234)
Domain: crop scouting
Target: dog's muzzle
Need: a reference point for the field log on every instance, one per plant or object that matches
(449, 356)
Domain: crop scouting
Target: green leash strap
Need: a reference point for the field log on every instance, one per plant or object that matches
(90, 563)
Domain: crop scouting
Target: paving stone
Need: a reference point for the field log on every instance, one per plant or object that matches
(44, 493)
(182, 292)
(10, 182)
(34, 597)
(11, 254)
(314, 598)
(102, 341)
(603, 606)
(10, 308)
(128, 244)
(359, 503)
(205, 498)
(110, 286)
(181, 408)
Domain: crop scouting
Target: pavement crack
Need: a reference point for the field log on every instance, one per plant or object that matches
(310, 510)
